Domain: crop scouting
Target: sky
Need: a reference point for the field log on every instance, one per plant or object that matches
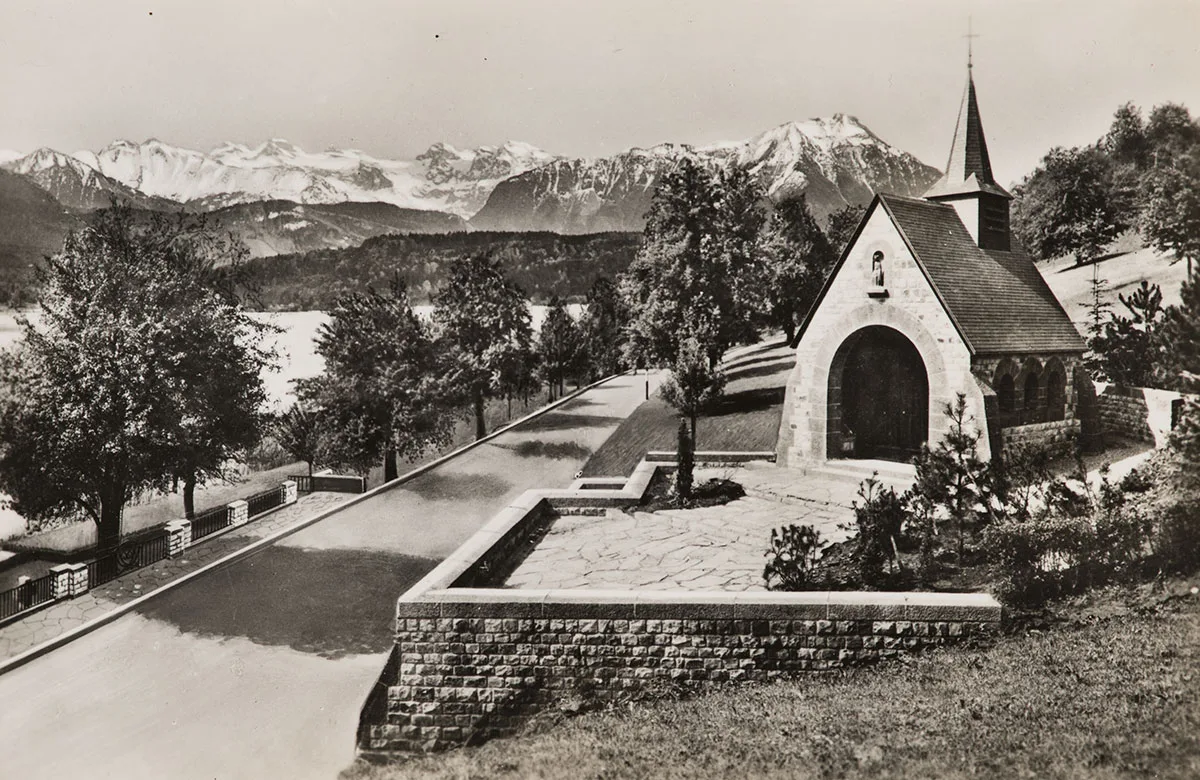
(582, 78)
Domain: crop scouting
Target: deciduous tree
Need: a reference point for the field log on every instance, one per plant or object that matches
(1069, 204)
(142, 366)
(797, 257)
(383, 393)
(482, 320)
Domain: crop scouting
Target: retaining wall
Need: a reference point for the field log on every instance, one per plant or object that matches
(1058, 436)
(472, 659)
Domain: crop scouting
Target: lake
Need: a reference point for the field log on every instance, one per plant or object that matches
(295, 344)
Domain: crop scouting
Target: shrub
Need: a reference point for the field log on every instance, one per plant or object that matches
(878, 519)
(1177, 541)
(1040, 557)
(794, 551)
(1136, 481)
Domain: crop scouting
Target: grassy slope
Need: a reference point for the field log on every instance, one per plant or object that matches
(1124, 272)
(747, 419)
(1120, 698)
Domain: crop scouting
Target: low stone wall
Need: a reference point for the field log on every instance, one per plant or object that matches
(479, 667)
(1058, 436)
(473, 660)
(1123, 411)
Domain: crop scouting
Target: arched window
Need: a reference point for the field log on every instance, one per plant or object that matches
(1031, 392)
(1056, 397)
(1006, 394)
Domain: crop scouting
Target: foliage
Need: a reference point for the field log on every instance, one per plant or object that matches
(1071, 205)
(602, 329)
(382, 394)
(951, 478)
(1129, 349)
(685, 459)
(840, 226)
(543, 264)
(298, 431)
(1171, 216)
(1178, 539)
(797, 258)
(694, 383)
(696, 273)
(1040, 557)
(559, 346)
(142, 367)
(790, 560)
(878, 519)
(482, 322)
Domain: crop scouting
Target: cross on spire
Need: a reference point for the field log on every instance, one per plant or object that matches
(970, 36)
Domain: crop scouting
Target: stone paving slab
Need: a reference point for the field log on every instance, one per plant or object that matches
(63, 616)
(710, 548)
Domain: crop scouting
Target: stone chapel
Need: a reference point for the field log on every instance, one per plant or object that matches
(932, 297)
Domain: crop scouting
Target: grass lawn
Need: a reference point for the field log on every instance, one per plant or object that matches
(1118, 697)
(747, 418)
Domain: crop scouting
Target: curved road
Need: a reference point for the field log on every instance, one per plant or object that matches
(257, 670)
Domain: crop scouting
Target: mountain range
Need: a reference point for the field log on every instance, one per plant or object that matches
(280, 198)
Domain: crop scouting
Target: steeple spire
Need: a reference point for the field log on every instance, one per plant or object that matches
(968, 184)
(969, 168)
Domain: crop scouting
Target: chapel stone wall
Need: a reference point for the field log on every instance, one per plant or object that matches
(911, 307)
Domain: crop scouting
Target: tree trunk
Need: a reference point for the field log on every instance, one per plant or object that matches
(189, 495)
(310, 469)
(562, 386)
(108, 531)
(480, 425)
(508, 398)
(390, 468)
(789, 329)
(694, 440)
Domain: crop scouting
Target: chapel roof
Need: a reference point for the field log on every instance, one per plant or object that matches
(998, 300)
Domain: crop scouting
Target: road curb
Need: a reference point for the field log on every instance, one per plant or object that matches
(37, 651)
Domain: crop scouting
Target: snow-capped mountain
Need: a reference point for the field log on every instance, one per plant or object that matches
(834, 161)
(440, 179)
(78, 186)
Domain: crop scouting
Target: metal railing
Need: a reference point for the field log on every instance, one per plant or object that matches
(261, 502)
(28, 595)
(128, 557)
(209, 522)
(304, 483)
(330, 483)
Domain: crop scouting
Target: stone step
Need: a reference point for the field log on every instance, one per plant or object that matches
(896, 475)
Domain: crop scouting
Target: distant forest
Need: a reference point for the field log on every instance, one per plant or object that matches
(543, 264)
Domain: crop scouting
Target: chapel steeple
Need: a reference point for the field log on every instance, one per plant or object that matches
(968, 183)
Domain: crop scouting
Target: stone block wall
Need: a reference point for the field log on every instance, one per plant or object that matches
(1123, 411)
(1059, 437)
(476, 671)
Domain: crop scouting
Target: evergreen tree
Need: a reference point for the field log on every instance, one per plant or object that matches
(483, 326)
(143, 366)
(1129, 349)
(1182, 331)
(382, 395)
(798, 257)
(694, 384)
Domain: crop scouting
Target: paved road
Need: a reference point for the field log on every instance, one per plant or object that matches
(258, 670)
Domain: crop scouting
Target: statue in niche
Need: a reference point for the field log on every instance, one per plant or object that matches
(877, 269)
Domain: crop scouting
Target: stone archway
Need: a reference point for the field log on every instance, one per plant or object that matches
(878, 397)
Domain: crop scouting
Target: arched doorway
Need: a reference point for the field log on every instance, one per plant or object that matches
(878, 397)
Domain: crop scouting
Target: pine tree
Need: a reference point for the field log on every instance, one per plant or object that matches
(694, 384)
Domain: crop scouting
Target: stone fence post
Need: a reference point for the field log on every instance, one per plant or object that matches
(290, 491)
(70, 579)
(179, 537)
(239, 513)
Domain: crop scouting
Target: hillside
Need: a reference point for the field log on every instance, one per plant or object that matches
(1124, 271)
(32, 225)
(543, 264)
